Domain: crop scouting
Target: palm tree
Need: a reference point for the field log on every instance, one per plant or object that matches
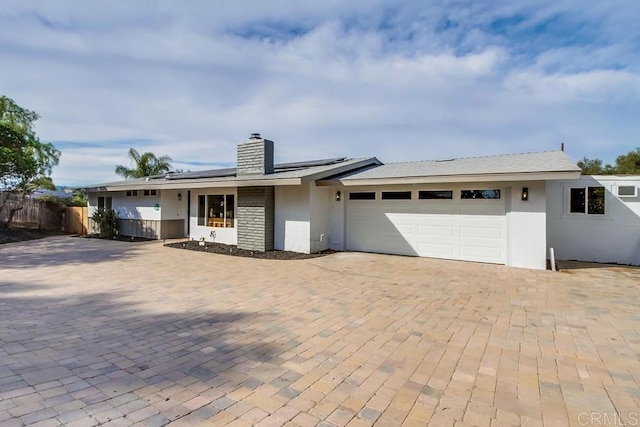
(145, 164)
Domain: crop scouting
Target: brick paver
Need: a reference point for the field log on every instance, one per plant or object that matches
(110, 333)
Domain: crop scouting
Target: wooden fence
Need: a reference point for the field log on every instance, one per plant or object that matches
(34, 214)
(76, 220)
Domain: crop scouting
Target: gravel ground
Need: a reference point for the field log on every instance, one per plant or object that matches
(219, 248)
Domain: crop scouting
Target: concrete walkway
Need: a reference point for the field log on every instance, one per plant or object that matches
(111, 333)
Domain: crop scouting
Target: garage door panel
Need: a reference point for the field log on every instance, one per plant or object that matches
(430, 219)
(426, 231)
(383, 245)
(480, 253)
(472, 230)
(427, 209)
(436, 250)
(481, 232)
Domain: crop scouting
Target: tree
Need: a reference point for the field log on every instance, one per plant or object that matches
(590, 166)
(145, 164)
(25, 161)
(625, 164)
(629, 163)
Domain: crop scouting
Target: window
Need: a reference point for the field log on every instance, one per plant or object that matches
(368, 195)
(202, 209)
(217, 210)
(132, 193)
(427, 195)
(396, 195)
(587, 200)
(627, 191)
(105, 203)
(480, 194)
(149, 192)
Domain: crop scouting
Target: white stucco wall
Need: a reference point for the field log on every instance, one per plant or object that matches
(337, 219)
(612, 237)
(526, 225)
(228, 236)
(172, 206)
(292, 228)
(139, 207)
(321, 209)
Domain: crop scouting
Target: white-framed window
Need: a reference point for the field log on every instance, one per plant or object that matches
(217, 210)
(587, 200)
(105, 202)
(149, 192)
(131, 193)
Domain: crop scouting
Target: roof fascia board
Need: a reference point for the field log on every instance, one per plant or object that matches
(198, 184)
(495, 177)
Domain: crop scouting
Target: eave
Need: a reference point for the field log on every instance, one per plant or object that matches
(437, 179)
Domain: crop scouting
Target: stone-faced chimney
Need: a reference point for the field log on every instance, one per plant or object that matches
(255, 156)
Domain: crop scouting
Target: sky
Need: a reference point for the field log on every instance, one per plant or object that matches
(399, 80)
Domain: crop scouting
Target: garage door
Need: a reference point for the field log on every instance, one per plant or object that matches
(470, 229)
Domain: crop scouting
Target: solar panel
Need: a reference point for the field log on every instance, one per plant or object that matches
(212, 173)
(309, 163)
(219, 173)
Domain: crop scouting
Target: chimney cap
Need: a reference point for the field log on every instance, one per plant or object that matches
(255, 136)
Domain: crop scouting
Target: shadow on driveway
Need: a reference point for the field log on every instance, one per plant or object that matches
(65, 250)
(100, 356)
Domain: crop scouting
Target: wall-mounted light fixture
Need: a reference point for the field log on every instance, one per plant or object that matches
(338, 196)
(525, 193)
(179, 196)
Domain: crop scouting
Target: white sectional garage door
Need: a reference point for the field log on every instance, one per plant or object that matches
(470, 230)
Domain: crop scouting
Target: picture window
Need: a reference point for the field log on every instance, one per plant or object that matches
(216, 210)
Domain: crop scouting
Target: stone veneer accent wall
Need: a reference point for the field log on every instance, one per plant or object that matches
(255, 157)
(255, 218)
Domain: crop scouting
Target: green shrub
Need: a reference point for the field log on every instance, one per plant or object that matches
(79, 199)
(107, 222)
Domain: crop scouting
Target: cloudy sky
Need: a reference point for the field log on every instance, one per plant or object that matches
(400, 80)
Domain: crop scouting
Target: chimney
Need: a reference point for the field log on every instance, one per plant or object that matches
(255, 156)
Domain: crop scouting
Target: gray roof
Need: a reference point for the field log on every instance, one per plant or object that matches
(543, 162)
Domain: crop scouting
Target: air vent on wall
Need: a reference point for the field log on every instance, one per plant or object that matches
(627, 191)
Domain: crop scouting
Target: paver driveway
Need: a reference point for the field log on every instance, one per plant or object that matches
(99, 332)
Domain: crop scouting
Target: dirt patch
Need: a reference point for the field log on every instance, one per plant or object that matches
(219, 248)
(12, 235)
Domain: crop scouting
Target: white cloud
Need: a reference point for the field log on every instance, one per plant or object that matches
(323, 79)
